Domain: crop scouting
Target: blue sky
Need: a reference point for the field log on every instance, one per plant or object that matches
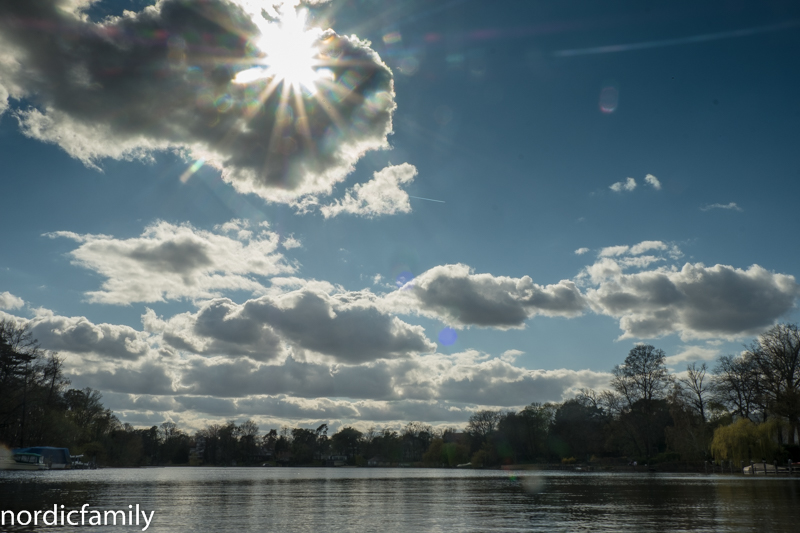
(605, 173)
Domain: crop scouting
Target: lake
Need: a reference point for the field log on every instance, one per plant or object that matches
(407, 500)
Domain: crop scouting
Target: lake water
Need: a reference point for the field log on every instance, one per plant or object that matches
(408, 500)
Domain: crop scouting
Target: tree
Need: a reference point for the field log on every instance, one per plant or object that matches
(642, 383)
(744, 441)
(577, 429)
(248, 432)
(696, 388)
(346, 441)
(304, 444)
(737, 386)
(643, 376)
(776, 355)
(481, 426)
(416, 440)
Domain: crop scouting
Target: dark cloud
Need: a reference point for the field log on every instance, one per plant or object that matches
(352, 333)
(695, 301)
(150, 378)
(454, 294)
(236, 379)
(348, 327)
(162, 79)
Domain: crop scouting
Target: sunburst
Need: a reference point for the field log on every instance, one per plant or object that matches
(290, 52)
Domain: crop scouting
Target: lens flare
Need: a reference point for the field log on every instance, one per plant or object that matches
(447, 337)
(289, 51)
(609, 99)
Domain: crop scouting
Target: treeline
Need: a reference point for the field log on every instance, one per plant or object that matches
(746, 407)
(37, 406)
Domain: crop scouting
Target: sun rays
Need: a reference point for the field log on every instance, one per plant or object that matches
(290, 52)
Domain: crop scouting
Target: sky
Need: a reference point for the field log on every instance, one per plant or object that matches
(364, 212)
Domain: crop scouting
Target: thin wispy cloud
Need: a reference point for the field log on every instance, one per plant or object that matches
(729, 206)
(706, 37)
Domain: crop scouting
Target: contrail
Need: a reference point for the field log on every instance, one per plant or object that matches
(429, 199)
(673, 42)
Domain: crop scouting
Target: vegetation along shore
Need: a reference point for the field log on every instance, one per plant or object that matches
(744, 408)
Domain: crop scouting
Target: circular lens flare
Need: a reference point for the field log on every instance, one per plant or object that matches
(447, 337)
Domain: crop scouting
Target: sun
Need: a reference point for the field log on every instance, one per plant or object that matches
(290, 54)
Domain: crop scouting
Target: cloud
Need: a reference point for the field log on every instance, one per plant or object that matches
(695, 301)
(381, 195)
(347, 326)
(581, 251)
(236, 379)
(646, 246)
(149, 378)
(454, 294)
(9, 301)
(79, 335)
(653, 182)
(627, 185)
(163, 79)
(692, 353)
(431, 388)
(169, 262)
(612, 251)
(730, 206)
(498, 383)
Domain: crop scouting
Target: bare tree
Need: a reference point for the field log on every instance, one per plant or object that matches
(483, 423)
(777, 356)
(696, 388)
(737, 386)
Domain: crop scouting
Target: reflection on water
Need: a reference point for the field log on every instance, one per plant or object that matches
(315, 499)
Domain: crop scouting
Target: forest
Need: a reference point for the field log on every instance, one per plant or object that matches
(745, 407)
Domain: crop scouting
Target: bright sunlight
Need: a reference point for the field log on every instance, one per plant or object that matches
(290, 51)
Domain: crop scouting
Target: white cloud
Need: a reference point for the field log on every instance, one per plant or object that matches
(613, 251)
(730, 206)
(692, 353)
(80, 336)
(646, 246)
(627, 185)
(454, 294)
(381, 195)
(290, 242)
(581, 251)
(9, 301)
(653, 182)
(169, 262)
(280, 149)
